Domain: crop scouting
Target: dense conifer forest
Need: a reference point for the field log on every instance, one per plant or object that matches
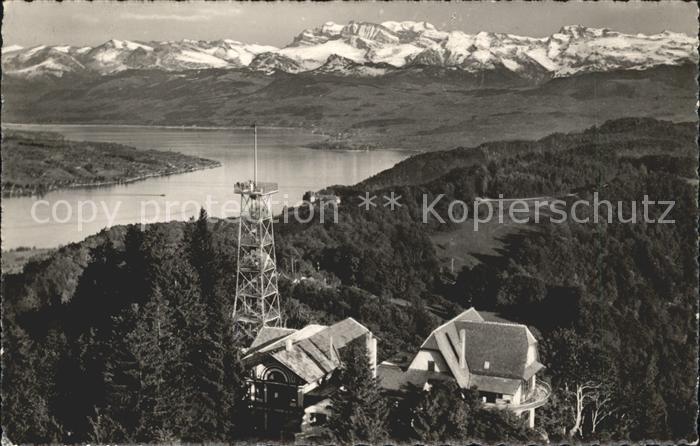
(126, 337)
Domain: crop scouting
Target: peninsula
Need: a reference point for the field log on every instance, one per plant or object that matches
(39, 162)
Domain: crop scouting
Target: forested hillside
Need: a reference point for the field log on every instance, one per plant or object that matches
(39, 162)
(630, 137)
(134, 321)
(418, 108)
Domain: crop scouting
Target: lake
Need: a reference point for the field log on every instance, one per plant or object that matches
(53, 219)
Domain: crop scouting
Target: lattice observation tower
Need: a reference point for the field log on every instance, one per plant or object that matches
(257, 301)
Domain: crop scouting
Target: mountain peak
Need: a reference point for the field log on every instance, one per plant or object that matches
(116, 43)
(270, 62)
(339, 65)
(408, 25)
(360, 47)
(331, 28)
(369, 31)
(579, 31)
(11, 48)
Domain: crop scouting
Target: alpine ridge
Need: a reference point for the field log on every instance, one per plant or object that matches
(370, 49)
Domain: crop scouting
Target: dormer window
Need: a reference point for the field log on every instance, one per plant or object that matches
(487, 365)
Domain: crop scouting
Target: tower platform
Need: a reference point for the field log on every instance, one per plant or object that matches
(255, 188)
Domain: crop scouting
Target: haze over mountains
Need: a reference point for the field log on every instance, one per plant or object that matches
(369, 49)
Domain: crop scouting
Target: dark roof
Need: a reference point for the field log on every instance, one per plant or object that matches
(311, 357)
(493, 349)
(275, 341)
(469, 315)
(532, 369)
(494, 384)
(267, 335)
(502, 346)
(394, 378)
(492, 316)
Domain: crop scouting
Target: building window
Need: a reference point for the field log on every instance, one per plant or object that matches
(488, 397)
(528, 386)
(259, 393)
(274, 375)
(431, 366)
(318, 419)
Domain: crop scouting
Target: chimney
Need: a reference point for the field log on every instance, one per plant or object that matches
(463, 349)
(372, 352)
(288, 344)
(331, 349)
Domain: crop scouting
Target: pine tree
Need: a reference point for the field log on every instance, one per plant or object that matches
(650, 412)
(79, 378)
(359, 411)
(147, 340)
(441, 414)
(206, 348)
(497, 425)
(136, 265)
(201, 378)
(235, 388)
(178, 318)
(141, 344)
(120, 418)
(25, 412)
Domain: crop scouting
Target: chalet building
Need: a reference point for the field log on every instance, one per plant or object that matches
(291, 374)
(497, 359)
(321, 198)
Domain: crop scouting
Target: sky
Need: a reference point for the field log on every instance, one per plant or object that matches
(80, 23)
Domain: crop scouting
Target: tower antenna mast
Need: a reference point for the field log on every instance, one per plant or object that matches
(257, 295)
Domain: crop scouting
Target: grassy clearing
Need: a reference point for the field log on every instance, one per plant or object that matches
(465, 244)
(13, 261)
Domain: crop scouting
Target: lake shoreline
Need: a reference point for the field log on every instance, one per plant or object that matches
(214, 165)
(322, 145)
(156, 126)
(36, 162)
(348, 146)
(283, 158)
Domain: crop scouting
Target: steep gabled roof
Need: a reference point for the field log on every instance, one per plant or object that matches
(494, 384)
(392, 377)
(311, 357)
(493, 349)
(267, 335)
(447, 341)
(470, 315)
(276, 341)
(531, 369)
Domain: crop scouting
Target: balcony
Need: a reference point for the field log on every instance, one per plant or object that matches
(537, 398)
(251, 188)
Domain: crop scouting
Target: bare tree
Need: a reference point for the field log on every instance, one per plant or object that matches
(592, 399)
(601, 406)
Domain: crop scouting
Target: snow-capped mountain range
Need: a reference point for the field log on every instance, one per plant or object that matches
(369, 49)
